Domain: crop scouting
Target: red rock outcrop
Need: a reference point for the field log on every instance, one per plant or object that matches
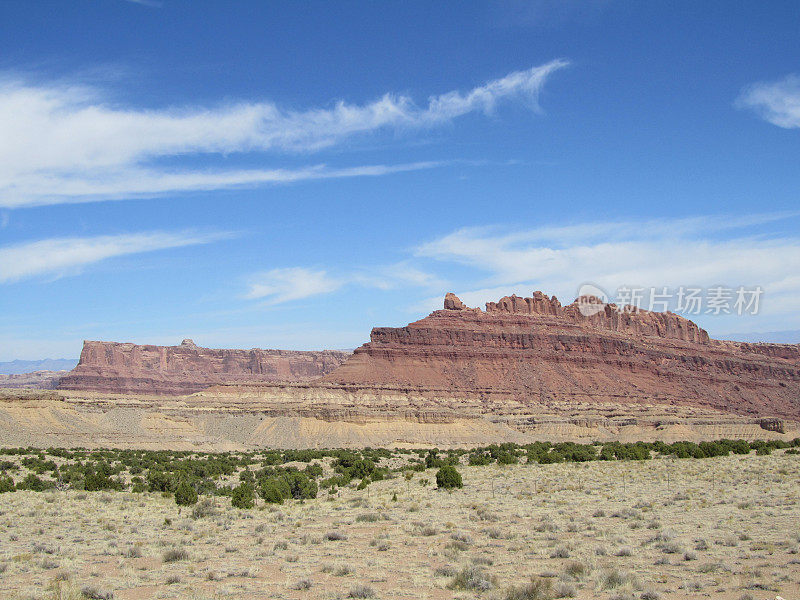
(589, 311)
(143, 369)
(546, 353)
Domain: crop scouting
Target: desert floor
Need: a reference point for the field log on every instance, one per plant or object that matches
(725, 527)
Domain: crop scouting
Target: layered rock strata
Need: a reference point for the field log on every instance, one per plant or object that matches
(176, 370)
(310, 415)
(542, 353)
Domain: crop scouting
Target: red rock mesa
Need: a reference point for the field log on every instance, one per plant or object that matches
(131, 368)
(547, 353)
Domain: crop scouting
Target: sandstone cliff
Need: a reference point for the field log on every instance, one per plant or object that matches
(518, 358)
(175, 370)
(540, 352)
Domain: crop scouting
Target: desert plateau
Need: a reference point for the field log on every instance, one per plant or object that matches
(591, 457)
(722, 527)
(399, 300)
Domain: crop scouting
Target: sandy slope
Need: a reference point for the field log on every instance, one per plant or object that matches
(225, 421)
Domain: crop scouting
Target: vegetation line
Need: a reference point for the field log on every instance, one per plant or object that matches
(279, 475)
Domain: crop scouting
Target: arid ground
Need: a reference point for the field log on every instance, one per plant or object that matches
(726, 527)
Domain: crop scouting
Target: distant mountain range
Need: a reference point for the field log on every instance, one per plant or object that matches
(15, 367)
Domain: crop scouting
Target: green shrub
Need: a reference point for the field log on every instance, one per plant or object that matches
(274, 490)
(711, 449)
(6, 484)
(335, 481)
(33, 483)
(353, 466)
(686, 450)
(573, 452)
(738, 446)
(185, 494)
(100, 479)
(507, 458)
(159, 481)
(432, 460)
(448, 477)
(550, 458)
(313, 470)
(479, 458)
(242, 496)
(300, 485)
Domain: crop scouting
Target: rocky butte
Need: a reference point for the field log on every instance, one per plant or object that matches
(112, 367)
(539, 352)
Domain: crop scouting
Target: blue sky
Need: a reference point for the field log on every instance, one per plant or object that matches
(292, 174)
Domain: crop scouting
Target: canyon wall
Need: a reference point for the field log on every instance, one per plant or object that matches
(175, 370)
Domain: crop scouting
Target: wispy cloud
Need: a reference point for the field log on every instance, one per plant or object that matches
(494, 262)
(283, 285)
(37, 189)
(777, 102)
(393, 276)
(611, 254)
(56, 257)
(62, 142)
(295, 283)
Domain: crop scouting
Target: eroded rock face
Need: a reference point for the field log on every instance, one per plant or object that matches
(546, 353)
(604, 316)
(130, 368)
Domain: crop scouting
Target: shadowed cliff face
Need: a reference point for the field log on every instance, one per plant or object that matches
(547, 353)
(185, 369)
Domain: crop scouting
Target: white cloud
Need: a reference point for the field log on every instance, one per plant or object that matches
(657, 253)
(60, 142)
(33, 189)
(560, 236)
(777, 102)
(692, 252)
(61, 256)
(294, 283)
(401, 274)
